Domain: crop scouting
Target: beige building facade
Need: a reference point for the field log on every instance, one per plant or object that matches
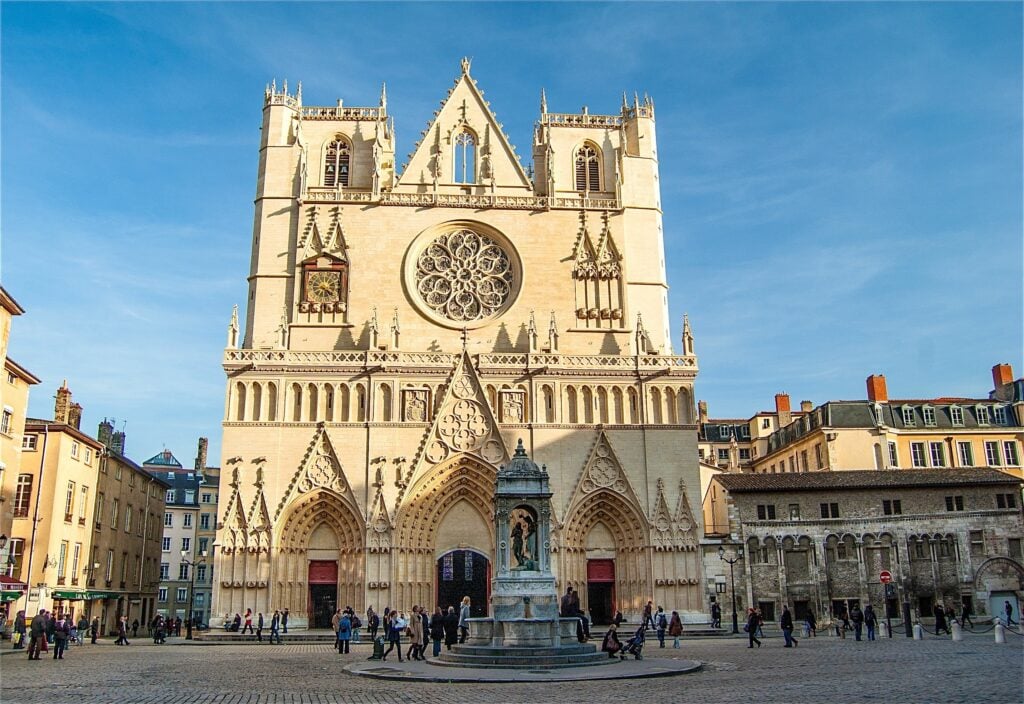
(406, 326)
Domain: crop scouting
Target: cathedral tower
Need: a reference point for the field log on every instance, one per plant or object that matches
(407, 325)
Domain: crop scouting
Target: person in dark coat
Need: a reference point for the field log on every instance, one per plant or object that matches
(870, 621)
(716, 615)
(812, 624)
(135, 628)
(753, 622)
(786, 623)
(451, 628)
(857, 616)
(940, 619)
(122, 631)
(372, 622)
(437, 630)
(20, 629)
(965, 615)
(394, 625)
(94, 630)
(275, 627)
(425, 622)
(37, 634)
(259, 627)
(51, 626)
(61, 634)
(648, 616)
(611, 643)
(344, 633)
(661, 623)
(284, 620)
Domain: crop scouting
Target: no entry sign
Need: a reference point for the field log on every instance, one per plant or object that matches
(885, 576)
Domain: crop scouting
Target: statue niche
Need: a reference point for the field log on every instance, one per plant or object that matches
(523, 532)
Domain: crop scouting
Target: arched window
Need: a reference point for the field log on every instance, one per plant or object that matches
(313, 407)
(336, 163)
(257, 400)
(296, 402)
(343, 403)
(588, 169)
(240, 402)
(464, 158)
(548, 400)
(271, 401)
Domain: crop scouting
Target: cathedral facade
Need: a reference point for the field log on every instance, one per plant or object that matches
(406, 327)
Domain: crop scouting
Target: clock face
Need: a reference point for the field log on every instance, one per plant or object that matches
(323, 286)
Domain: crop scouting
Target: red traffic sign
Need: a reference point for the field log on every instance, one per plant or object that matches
(885, 576)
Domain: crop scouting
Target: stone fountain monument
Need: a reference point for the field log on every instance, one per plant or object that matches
(524, 629)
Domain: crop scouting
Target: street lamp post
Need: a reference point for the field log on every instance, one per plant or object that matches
(732, 578)
(191, 589)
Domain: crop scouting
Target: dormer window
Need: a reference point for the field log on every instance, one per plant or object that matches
(956, 414)
(999, 413)
(588, 168)
(336, 163)
(908, 416)
(464, 161)
(879, 418)
(929, 415)
(982, 412)
(723, 432)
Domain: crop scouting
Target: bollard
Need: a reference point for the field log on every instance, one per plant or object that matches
(918, 632)
(378, 649)
(886, 630)
(1000, 632)
(958, 633)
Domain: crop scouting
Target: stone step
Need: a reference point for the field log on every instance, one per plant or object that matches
(489, 651)
(524, 662)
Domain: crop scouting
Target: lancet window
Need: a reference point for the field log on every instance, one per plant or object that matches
(588, 168)
(464, 161)
(336, 163)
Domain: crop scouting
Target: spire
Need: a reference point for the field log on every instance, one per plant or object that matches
(543, 102)
(233, 329)
(282, 330)
(395, 333)
(553, 334)
(298, 94)
(384, 97)
(625, 103)
(374, 330)
(531, 333)
(641, 335)
(687, 335)
(465, 64)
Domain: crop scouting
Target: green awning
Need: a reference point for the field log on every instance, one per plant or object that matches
(70, 594)
(10, 595)
(102, 595)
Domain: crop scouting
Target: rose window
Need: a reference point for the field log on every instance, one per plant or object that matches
(464, 276)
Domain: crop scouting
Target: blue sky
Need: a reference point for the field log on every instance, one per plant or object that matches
(841, 182)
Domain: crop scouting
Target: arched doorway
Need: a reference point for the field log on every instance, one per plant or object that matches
(464, 573)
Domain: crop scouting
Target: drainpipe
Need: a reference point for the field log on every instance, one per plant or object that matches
(35, 516)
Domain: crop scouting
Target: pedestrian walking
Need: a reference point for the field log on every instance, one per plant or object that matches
(661, 622)
(965, 615)
(940, 619)
(83, 628)
(425, 625)
(335, 622)
(857, 616)
(122, 631)
(248, 621)
(94, 629)
(61, 633)
(451, 628)
(259, 627)
(464, 620)
(870, 621)
(675, 628)
(344, 633)
(786, 623)
(811, 624)
(20, 629)
(716, 615)
(394, 627)
(415, 635)
(648, 616)
(275, 627)
(284, 620)
(135, 628)
(437, 630)
(753, 622)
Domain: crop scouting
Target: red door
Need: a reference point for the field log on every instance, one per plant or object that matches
(601, 591)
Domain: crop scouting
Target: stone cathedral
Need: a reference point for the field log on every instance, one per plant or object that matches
(408, 324)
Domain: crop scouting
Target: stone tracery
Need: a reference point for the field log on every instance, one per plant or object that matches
(464, 276)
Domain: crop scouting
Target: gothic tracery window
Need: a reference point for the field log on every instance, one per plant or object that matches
(336, 162)
(464, 161)
(588, 169)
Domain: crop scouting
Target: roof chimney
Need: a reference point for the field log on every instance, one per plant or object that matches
(702, 411)
(806, 406)
(117, 442)
(876, 388)
(782, 409)
(62, 407)
(1002, 374)
(106, 430)
(201, 455)
(75, 416)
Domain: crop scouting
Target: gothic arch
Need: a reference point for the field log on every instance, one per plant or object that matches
(463, 477)
(313, 510)
(629, 528)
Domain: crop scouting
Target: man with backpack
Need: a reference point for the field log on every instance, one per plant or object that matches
(661, 622)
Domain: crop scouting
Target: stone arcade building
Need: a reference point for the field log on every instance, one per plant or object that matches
(405, 327)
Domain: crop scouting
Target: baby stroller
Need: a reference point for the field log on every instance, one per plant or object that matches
(634, 645)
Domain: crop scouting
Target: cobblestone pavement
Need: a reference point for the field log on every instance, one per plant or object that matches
(822, 669)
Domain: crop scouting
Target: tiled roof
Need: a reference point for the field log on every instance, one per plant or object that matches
(862, 479)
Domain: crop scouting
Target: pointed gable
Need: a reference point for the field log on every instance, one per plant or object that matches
(235, 524)
(464, 424)
(464, 111)
(319, 470)
(603, 472)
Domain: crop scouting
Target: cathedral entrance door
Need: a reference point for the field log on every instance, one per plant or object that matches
(464, 573)
(601, 591)
(323, 592)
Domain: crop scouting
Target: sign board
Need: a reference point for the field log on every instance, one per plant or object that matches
(885, 576)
